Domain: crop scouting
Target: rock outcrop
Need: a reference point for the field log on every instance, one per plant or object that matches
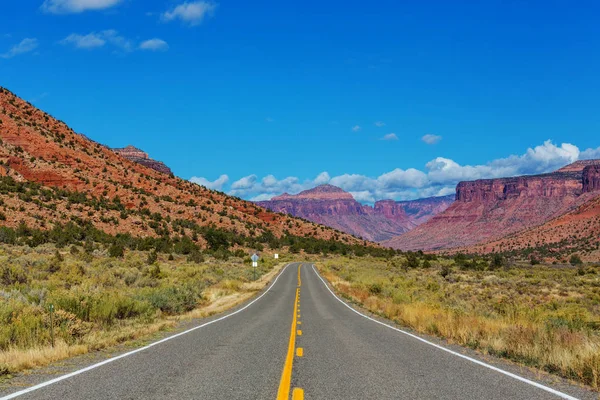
(591, 178)
(332, 206)
(136, 155)
(417, 211)
(490, 209)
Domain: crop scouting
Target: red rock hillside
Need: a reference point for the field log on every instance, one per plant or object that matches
(491, 209)
(36, 147)
(331, 206)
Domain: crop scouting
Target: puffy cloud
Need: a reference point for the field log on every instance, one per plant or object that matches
(98, 39)
(356, 128)
(154, 45)
(543, 158)
(379, 124)
(215, 185)
(431, 139)
(322, 178)
(398, 178)
(590, 154)
(390, 136)
(192, 13)
(76, 6)
(246, 182)
(26, 45)
(438, 178)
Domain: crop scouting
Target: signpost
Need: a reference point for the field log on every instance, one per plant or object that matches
(254, 259)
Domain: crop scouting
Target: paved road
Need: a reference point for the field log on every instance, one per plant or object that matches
(296, 340)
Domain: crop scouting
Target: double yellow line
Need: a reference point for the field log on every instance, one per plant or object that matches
(286, 376)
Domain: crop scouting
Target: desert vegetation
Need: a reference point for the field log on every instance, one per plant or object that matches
(542, 316)
(102, 296)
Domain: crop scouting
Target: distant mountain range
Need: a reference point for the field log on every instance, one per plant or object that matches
(551, 214)
(516, 210)
(332, 206)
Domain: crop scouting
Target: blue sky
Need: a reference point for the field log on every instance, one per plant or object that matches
(388, 99)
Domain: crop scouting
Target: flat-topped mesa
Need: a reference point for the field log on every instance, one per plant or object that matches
(591, 179)
(136, 155)
(556, 184)
(488, 209)
(322, 192)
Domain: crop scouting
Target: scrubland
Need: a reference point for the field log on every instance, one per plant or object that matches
(547, 317)
(101, 301)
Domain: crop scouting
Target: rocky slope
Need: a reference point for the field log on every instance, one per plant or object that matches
(490, 209)
(83, 181)
(331, 206)
(577, 231)
(416, 211)
(136, 155)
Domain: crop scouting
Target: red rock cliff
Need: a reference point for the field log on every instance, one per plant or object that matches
(494, 208)
(591, 179)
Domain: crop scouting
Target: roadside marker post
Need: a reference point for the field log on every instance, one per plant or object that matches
(52, 324)
(254, 259)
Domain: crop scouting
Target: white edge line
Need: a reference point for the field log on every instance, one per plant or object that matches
(473, 360)
(110, 360)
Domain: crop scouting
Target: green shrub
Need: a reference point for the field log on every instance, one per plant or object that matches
(116, 250)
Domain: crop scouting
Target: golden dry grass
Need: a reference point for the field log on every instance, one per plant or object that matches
(539, 316)
(117, 287)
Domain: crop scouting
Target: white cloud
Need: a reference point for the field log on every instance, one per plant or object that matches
(116, 40)
(190, 13)
(26, 45)
(390, 136)
(111, 37)
(431, 139)
(543, 158)
(322, 178)
(215, 185)
(77, 6)
(269, 119)
(379, 124)
(438, 178)
(154, 45)
(590, 154)
(89, 41)
(356, 128)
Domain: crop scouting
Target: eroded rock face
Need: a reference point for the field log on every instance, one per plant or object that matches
(493, 208)
(591, 179)
(136, 155)
(417, 211)
(332, 206)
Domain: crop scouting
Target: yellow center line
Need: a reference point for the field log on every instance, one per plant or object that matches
(286, 375)
(298, 394)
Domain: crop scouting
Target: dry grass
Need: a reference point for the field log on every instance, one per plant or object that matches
(539, 316)
(130, 300)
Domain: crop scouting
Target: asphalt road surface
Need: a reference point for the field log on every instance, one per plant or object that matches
(296, 340)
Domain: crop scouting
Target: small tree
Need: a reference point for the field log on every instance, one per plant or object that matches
(575, 260)
(497, 261)
(152, 257)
